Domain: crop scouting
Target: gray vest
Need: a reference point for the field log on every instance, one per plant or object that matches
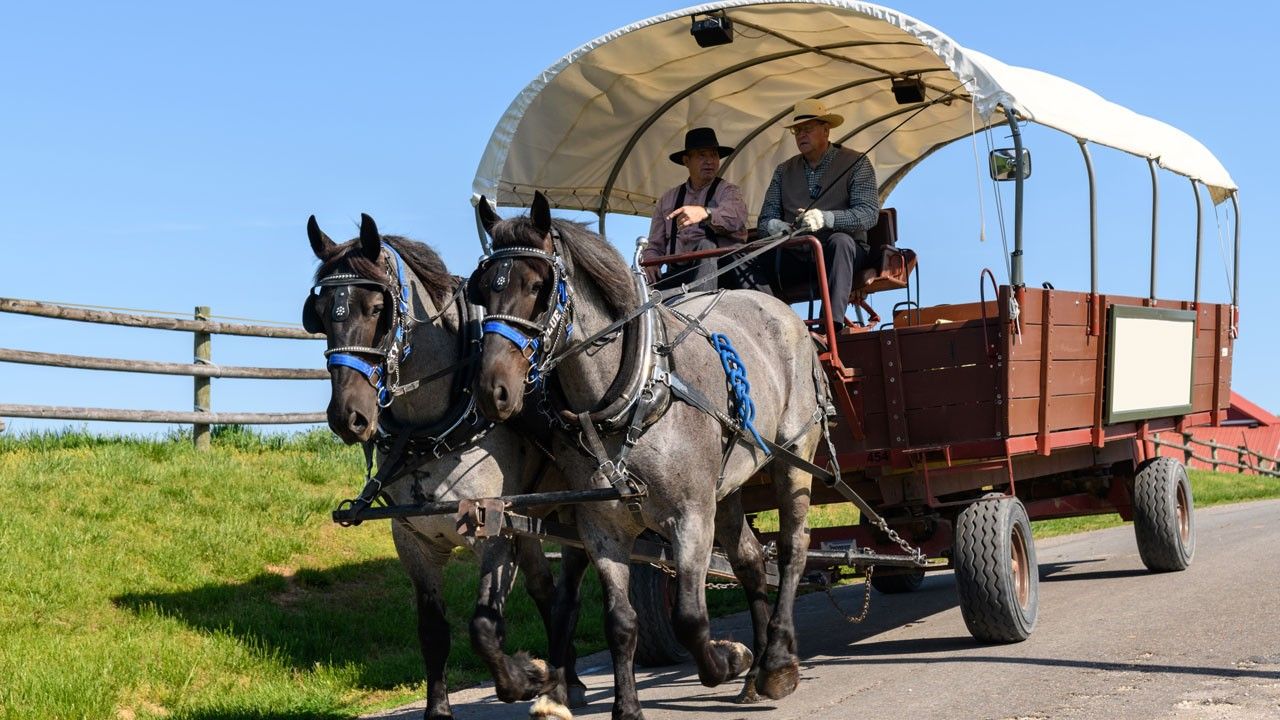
(795, 189)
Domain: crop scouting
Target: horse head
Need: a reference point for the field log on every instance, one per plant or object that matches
(524, 291)
(353, 305)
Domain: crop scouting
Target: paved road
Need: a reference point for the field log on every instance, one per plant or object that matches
(1113, 641)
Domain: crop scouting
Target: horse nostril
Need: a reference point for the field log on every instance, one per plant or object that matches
(357, 422)
(500, 394)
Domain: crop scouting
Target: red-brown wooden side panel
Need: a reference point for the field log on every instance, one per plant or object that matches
(1066, 412)
(1066, 377)
(1072, 343)
(954, 423)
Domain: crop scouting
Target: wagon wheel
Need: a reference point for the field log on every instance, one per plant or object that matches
(898, 582)
(996, 575)
(1163, 515)
(653, 595)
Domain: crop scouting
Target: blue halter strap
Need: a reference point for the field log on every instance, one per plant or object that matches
(541, 334)
(395, 347)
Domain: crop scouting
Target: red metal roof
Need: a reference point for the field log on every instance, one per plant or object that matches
(1242, 408)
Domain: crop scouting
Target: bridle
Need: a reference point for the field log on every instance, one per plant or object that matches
(394, 347)
(538, 339)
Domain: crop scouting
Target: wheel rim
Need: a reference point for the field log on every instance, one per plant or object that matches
(1019, 566)
(1184, 515)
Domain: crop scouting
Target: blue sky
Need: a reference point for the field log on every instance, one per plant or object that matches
(167, 155)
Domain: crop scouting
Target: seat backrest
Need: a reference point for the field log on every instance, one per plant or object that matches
(885, 231)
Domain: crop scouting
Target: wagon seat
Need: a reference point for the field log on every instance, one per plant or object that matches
(889, 268)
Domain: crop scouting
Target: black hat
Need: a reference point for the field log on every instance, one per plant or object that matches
(702, 137)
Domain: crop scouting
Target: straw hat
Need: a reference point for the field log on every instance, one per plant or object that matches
(813, 109)
(700, 137)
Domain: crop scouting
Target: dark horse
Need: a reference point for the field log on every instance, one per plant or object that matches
(546, 275)
(369, 289)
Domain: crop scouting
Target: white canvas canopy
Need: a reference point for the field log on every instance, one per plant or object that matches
(594, 130)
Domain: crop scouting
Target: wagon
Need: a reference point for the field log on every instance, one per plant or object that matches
(959, 423)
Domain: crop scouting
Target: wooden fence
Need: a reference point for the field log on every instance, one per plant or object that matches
(202, 371)
(1249, 460)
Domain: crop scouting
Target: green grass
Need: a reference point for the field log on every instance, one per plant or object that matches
(142, 579)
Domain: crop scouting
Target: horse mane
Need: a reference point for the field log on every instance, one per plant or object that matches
(584, 250)
(421, 258)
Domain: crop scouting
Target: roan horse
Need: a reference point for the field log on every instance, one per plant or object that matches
(376, 297)
(679, 470)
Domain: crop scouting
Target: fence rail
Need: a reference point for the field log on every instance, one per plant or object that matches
(202, 371)
(63, 312)
(1251, 460)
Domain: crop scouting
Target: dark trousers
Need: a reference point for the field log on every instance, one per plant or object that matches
(844, 255)
(747, 276)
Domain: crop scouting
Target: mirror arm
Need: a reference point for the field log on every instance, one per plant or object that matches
(1015, 257)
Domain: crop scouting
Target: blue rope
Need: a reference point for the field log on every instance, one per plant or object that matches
(736, 373)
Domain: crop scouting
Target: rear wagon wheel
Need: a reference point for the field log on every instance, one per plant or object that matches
(1164, 515)
(653, 595)
(996, 572)
(896, 583)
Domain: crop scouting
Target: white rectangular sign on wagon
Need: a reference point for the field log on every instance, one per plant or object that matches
(1150, 362)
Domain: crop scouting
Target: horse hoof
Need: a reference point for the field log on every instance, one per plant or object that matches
(748, 695)
(577, 696)
(736, 656)
(779, 683)
(544, 708)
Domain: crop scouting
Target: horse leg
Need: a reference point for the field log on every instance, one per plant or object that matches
(515, 678)
(780, 668)
(717, 660)
(546, 596)
(425, 565)
(609, 547)
(747, 558)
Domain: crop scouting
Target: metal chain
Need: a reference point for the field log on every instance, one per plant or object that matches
(866, 599)
(708, 586)
(907, 547)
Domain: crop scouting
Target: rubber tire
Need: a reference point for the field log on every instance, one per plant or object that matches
(653, 596)
(898, 583)
(1164, 515)
(996, 573)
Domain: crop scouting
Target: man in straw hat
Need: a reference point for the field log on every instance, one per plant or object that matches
(829, 191)
(703, 213)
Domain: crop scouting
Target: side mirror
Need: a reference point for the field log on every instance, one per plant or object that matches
(1006, 165)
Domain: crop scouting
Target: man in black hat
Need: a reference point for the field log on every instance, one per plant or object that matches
(703, 213)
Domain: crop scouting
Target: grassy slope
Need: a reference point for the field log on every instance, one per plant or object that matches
(142, 579)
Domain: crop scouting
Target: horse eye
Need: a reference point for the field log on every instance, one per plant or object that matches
(536, 288)
(377, 310)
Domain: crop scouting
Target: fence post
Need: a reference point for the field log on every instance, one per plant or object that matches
(1187, 451)
(203, 386)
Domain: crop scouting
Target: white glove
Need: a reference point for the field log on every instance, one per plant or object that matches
(813, 220)
(776, 227)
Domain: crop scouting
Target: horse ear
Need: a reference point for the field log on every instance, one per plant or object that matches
(370, 240)
(321, 245)
(540, 213)
(487, 215)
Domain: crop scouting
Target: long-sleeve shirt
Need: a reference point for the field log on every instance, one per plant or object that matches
(864, 203)
(727, 220)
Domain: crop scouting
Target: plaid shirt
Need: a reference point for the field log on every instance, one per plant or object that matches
(864, 203)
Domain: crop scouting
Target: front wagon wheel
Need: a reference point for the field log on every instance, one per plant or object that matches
(996, 573)
(1163, 515)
